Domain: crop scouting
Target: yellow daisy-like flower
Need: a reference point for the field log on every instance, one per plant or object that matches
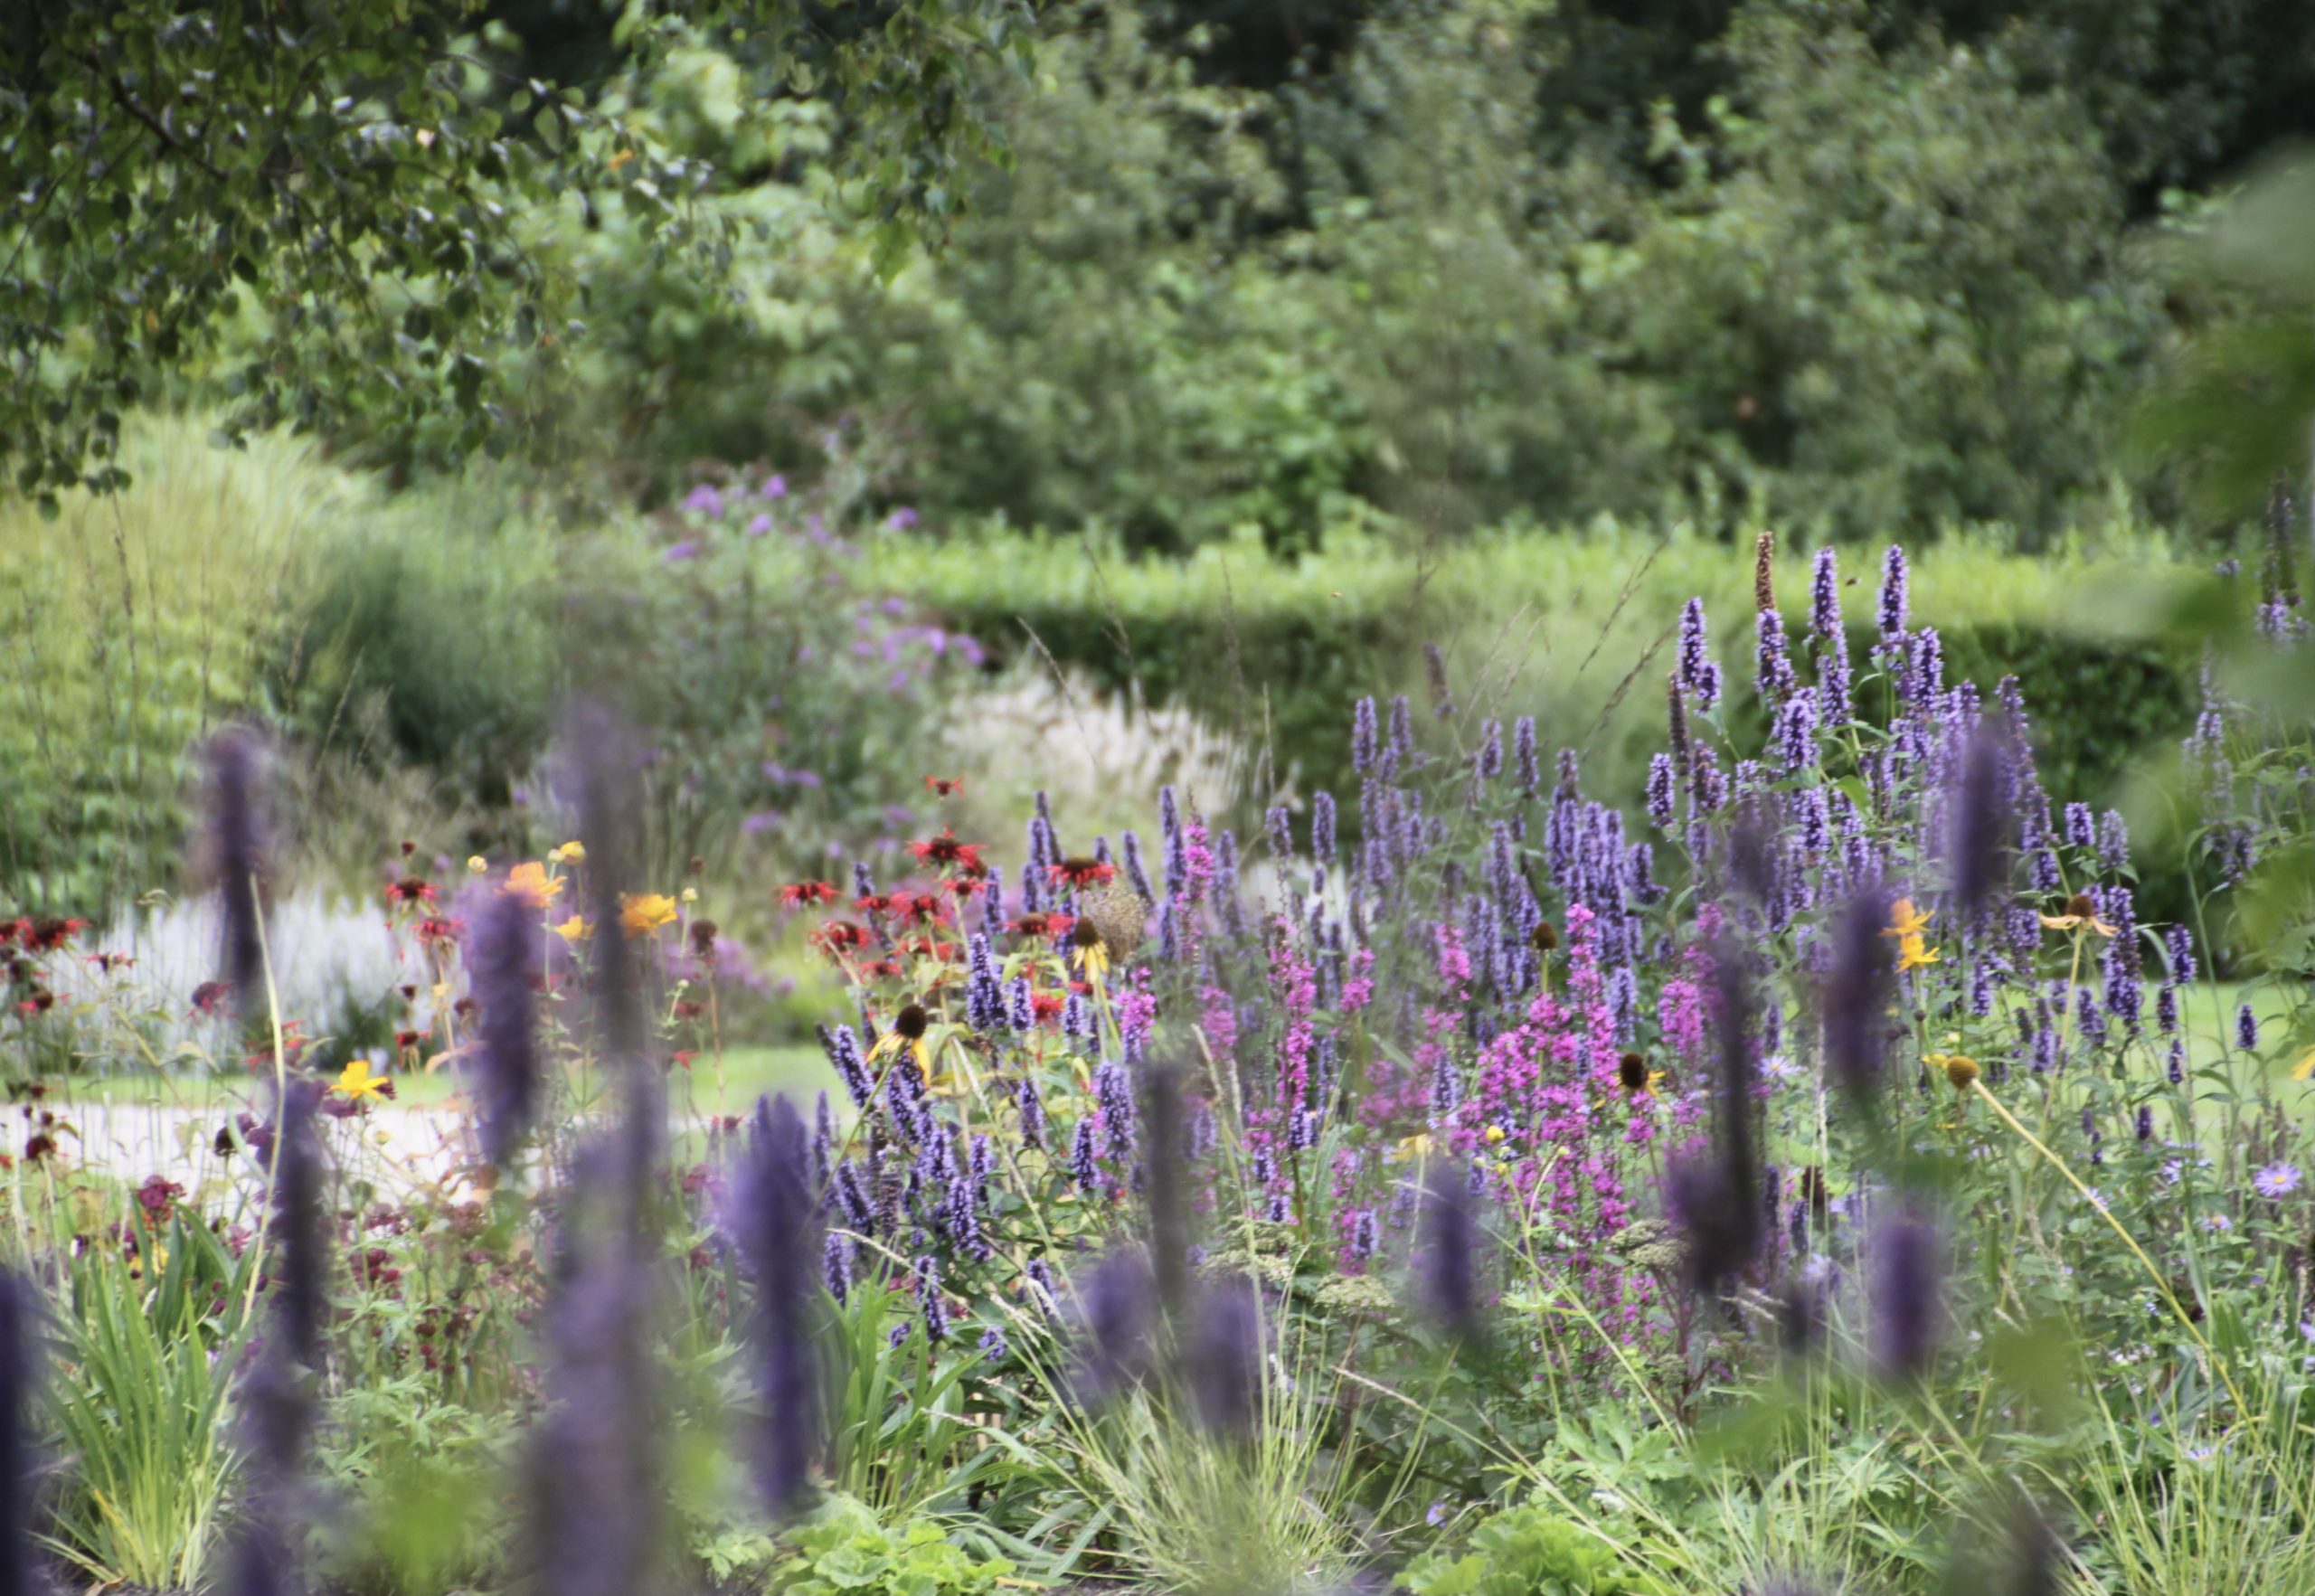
(530, 881)
(691, 894)
(641, 913)
(356, 1081)
(907, 1032)
(1905, 921)
(1417, 1146)
(569, 853)
(476, 865)
(2305, 1067)
(574, 930)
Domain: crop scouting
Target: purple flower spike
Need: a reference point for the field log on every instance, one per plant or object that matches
(237, 860)
(1449, 1256)
(778, 1232)
(1699, 677)
(1895, 585)
(1857, 994)
(20, 1340)
(502, 959)
(1906, 1278)
(1225, 1366)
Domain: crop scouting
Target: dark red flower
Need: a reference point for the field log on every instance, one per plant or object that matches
(210, 996)
(838, 935)
(1083, 873)
(49, 933)
(410, 889)
(158, 1197)
(435, 928)
(808, 892)
(944, 786)
(1043, 922)
(1047, 1005)
(948, 853)
(108, 962)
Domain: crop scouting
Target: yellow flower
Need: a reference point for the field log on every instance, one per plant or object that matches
(2305, 1067)
(530, 881)
(1905, 921)
(907, 1032)
(1417, 1146)
(568, 854)
(641, 913)
(691, 894)
(356, 1081)
(574, 930)
(1494, 1133)
(477, 863)
(1912, 955)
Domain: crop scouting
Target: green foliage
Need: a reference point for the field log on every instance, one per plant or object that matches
(1874, 281)
(1525, 1552)
(845, 1548)
(142, 620)
(141, 1404)
(1567, 626)
(345, 212)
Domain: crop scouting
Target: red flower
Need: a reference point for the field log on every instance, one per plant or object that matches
(873, 903)
(47, 934)
(39, 1003)
(410, 889)
(1043, 922)
(946, 851)
(944, 786)
(110, 962)
(10, 930)
(1047, 1005)
(884, 970)
(838, 935)
(808, 892)
(435, 928)
(919, 909)
(1083, 873)
(210, 996)
(966, 886)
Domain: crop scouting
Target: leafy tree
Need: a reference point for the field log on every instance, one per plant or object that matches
(346, 204)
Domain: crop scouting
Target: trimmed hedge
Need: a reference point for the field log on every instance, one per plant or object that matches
(1572, 628)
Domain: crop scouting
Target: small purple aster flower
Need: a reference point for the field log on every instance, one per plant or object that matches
(2276, 1181)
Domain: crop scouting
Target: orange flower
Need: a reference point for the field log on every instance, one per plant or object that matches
(530, 881)
(641, 913)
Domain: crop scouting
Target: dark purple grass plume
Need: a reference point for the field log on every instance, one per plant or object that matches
(1114, 1302)
(236, 861)
(1225, 1357)
(502, 957)
(1978, 819)
(778, 1233)
(602, 761)
(300, 1298)
(592, 1526)
(1857, 994)
(1447, 1258)
(20, 1354)
(1718, 1203)
(1907, 1272)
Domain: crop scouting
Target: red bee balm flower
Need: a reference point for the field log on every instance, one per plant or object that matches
(797, 894)
(1083, 873)
(410, 889)
(947, 852)
(838, 935)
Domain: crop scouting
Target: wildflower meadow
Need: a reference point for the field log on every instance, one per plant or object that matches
(962, 798)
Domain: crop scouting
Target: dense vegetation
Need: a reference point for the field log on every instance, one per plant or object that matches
(920, 800)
